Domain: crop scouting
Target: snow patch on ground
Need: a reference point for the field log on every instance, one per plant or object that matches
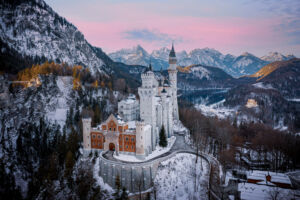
(216, 109)
(157, 152)
(58, 113)
(263, 86)
(179, 128)
(201, 72)
(251, 191)
(99, 179)
(175, 178)
(280, 126)
(295, 100)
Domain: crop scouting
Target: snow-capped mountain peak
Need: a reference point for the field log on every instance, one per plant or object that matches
(247, 54)
(162, 53)
(275, 56)
(133, 56)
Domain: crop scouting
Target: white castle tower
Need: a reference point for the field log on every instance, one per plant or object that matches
(147, 93)
(86, 126)
(143, 140)
(172, 70)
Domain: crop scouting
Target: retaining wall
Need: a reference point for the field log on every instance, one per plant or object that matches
(134, 176)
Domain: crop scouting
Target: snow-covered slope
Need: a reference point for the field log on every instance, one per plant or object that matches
(274, 85)
(176, 178)
(27, 115)
(275, 56)
(199, 76)
(244, 64)
(162, 53)
(134, 56)
(32, 28)
(57, 109)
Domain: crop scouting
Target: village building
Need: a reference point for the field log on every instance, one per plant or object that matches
(135, 130)
(269, 178)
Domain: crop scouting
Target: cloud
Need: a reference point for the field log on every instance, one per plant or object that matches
(150, 36)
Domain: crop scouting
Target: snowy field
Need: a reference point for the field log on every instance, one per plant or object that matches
(158, 151)
(175, 178)
(216, 109)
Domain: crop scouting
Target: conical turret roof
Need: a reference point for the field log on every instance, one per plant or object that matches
(172, 52)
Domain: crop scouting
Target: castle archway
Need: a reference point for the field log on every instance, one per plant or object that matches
(111, 146)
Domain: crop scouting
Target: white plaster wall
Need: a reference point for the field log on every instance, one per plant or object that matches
(86, 126)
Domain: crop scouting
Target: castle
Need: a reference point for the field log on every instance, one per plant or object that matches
(135, 130)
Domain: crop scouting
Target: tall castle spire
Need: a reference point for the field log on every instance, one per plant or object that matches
(172, 52)
(172, 70)
(172, 56)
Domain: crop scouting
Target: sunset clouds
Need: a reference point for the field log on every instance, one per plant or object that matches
(230, 26)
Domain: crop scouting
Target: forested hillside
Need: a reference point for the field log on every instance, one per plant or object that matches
(41, 137)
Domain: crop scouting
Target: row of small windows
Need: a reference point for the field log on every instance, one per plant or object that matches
(127, 139)
(145, 92)
(132, 147)
(99, 144)
(99, 136)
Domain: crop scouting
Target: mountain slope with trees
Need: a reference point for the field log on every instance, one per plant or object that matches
(41, 132)
(34, 30)
(275, 88)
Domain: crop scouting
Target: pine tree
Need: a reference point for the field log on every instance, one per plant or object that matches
(69, 164)
(162, 138)
(118, 186)
(124, 195)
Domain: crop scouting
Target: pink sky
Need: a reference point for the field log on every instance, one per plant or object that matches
(230, 28)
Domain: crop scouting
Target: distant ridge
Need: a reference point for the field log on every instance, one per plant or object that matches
(269, 68)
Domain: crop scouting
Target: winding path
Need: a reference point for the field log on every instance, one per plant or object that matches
(179, 147)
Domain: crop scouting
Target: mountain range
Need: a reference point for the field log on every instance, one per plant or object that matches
(236, 66)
